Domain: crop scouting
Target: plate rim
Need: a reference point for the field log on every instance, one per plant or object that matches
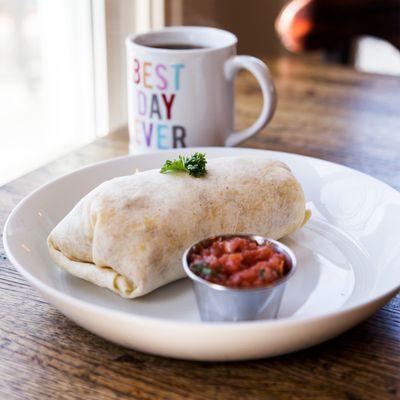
(85, 304)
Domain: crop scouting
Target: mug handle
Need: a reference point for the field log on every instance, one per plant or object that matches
(264, 78)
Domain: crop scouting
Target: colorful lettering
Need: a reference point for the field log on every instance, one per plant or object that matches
(178, 136)
(153, 104)
(155, 107)
(161, 136)
(177, 80)
(146, 75)
(168, 104)
(141, 102)
(147, 132)
(136, 68)
(162, 78)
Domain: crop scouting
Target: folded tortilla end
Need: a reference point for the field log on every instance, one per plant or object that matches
(103, 276)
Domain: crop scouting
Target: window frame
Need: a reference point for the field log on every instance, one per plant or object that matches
(112, 22)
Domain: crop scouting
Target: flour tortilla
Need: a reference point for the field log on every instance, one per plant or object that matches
(128, 234)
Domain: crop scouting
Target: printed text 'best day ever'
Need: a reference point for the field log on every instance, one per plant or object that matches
(158, 87)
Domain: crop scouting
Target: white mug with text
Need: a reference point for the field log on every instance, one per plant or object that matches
(180, 89)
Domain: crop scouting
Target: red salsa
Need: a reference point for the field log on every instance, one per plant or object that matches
(238, 262)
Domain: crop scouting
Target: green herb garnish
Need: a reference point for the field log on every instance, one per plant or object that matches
(201, 269)
(261, 273)
(194, 165)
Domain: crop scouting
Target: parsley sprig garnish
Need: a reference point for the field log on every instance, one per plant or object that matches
(194, 165)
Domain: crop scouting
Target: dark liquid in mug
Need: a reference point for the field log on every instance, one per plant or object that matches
(176, 46)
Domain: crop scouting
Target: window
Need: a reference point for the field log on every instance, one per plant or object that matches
(46, 89)
(62, 75)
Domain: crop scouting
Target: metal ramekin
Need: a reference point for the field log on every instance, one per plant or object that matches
(221, 303)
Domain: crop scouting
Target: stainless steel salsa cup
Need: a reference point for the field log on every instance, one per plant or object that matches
(221, 303)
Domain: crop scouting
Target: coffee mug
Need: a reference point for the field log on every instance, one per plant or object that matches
(180, 89)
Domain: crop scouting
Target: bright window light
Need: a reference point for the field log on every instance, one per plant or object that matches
(46, 82)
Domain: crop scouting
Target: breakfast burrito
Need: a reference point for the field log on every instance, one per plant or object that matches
(128, 234)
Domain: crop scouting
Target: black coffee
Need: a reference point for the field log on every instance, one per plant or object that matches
(176, 46)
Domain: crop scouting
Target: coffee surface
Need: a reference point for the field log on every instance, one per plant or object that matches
(176, 46)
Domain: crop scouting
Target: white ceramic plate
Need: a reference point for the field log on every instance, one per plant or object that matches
(348, 266)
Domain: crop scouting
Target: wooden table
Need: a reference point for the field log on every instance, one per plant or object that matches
(323, 111)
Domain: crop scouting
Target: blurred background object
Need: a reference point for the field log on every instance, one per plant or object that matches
(62, 70)
(347, 31)
(336, 26)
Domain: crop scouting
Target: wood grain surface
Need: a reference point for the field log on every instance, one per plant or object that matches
(323, 111)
